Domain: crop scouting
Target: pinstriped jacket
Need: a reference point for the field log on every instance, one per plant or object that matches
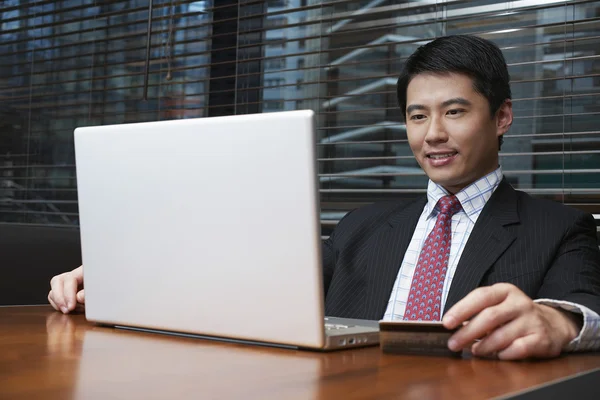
(546, 249)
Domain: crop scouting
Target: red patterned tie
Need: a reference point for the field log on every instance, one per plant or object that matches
(425, 295)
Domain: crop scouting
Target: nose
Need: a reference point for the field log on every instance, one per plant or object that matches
(436, 132)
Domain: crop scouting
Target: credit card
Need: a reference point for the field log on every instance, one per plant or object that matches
(416, 337)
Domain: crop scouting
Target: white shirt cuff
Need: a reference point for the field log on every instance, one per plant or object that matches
(589, 336)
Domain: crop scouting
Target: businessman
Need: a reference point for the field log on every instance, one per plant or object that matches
(519, 275)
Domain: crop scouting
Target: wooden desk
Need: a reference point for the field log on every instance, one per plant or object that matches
(44, 354)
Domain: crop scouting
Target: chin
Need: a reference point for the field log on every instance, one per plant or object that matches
(442, 177)
(445, 180)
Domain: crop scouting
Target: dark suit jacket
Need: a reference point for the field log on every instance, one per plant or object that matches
(546, 249)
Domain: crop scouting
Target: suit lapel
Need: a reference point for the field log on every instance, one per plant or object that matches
(488, 240)
(389, 246)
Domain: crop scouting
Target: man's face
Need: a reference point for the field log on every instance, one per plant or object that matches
(450, 130)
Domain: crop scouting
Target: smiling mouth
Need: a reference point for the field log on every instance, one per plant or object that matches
(441, 156)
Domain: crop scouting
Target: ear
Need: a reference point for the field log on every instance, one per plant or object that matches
(504, 117)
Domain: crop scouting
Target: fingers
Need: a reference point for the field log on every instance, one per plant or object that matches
(78, 274)
(81, 296)
(499, 339)
(531, 334)
(529, 346)
(70, 291)
(475, 302)
(64, 290)
(52, 303)
(72, 281)
(57, 293)
(485, 322)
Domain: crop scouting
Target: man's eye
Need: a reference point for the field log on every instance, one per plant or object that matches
(455, 112)
(417, 117)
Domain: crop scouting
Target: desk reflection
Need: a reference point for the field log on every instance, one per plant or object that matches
(63, 335)
(122, 364)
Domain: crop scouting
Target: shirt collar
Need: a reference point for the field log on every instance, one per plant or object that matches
(472, 198)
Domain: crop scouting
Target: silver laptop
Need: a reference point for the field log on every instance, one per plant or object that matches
(208, 227)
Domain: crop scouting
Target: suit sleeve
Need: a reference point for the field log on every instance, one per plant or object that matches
(329, 257)
(575, 274)
(330, 250)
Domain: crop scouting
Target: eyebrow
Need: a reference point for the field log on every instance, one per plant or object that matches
(415, 107)
(455, 101)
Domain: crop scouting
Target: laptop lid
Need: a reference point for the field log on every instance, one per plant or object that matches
(207, 226)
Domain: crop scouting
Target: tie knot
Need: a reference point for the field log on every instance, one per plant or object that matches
(449, 205)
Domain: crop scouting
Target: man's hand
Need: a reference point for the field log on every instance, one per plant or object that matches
(509, 324)
(64, 291)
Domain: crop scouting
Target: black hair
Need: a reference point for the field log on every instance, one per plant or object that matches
(475, 57)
